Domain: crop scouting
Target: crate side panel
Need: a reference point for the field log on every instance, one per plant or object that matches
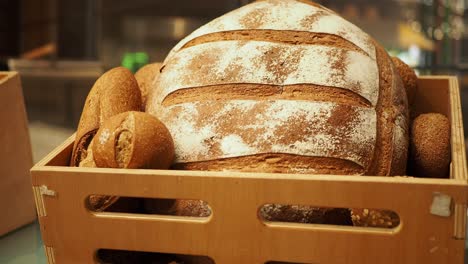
(15, 157)
(235, 202)
(432, 96)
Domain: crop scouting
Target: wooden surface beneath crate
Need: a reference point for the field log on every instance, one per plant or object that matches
(16, 197)
(234, 233)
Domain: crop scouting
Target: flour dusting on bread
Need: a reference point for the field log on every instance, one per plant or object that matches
(235, 62)
(214, 130)
(282, 86)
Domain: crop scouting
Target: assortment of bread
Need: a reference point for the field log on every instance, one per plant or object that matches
(276, 86)
(111, 133)
(114, 92)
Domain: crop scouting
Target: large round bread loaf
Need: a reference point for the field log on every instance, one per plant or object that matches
(283, 86)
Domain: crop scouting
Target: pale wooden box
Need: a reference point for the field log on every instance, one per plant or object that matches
(234, 233)
(16, 197)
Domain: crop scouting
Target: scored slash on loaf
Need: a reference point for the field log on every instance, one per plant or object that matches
(275, 64)
(285, 79)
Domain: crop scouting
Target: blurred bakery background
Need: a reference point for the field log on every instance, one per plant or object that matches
(60, 47)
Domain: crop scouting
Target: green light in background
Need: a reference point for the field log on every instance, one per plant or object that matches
(135, 60)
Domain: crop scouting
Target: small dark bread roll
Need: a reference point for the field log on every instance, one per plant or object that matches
(305, 214)
(410, 80)
(145, 77)
(133, 140)
(194, 208)
(430, 146)
(374, 218)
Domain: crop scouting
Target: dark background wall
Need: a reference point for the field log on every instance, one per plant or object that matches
(9, 31)
(9, 11)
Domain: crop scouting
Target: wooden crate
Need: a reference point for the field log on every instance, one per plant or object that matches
(234, 233)
(16, 197)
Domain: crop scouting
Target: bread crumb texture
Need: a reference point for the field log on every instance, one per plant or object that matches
(124, 142)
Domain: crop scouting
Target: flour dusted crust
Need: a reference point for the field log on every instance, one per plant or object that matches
(283, 86)
(204, 130)
(236, 62)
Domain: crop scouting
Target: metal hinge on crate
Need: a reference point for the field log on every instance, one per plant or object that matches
(39, 192)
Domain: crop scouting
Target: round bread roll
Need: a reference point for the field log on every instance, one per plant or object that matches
(408, 75)
(283, 86)
(145, 77)
(133, 140)
(297, 89)
(430, 146)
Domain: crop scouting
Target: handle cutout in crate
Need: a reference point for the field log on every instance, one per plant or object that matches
(148, 206)
(109, 256)
(303, 214)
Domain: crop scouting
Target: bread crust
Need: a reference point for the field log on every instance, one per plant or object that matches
(145, 78)
(213, 68)
(390, 154)
(430, 146)
(409, 78)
